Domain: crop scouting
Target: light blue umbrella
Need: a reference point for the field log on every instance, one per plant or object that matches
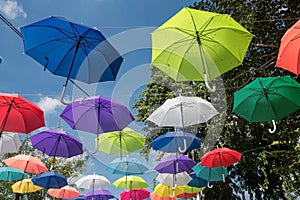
(11, 174)
(127, 166)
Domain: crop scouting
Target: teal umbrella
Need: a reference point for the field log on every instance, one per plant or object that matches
(11, 174)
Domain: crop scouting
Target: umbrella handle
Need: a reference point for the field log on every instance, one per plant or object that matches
(207, 85)
(173, 194)
(208, 185)
(184, 146)
(274, 127)
(173, 187)
(63, 95)
(223, 176)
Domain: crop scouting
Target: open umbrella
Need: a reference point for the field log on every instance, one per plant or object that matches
(288, 55)
(99, 195)
(127, 166)
(11, 174)
(19, 115)
(196, 45)
(134, 194)
(210, 174)
(71, 50)
(64, 192)
(25, 186)
(197, 181)
(174, 180)
(9, 143)
(154, 196)
(121, 142)
(175, 164)
(49, 180)
(131, 183)
(181, 112)
(168, 191)
(267, 99)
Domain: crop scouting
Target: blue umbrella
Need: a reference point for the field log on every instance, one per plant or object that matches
(11, 174)
(71, 50)
(197, 181)
(49, 180)
(171, 141)
(127, 166)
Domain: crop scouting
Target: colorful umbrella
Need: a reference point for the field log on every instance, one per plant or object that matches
(19, 115)
(64, 192)
(210, 174)
(288, 55)
(197, 181)
(25, 186)
(71, 50)
(220, 157)
(187, 195)
(131, 183)
(127, 166)
(99, 195)
(26, 163)
(171, 141)
(183, 111)
(154, 196)
(267, 99)
(174, 180)
(11, 174)
(92, 182)
(196, 45)
(50, 180)
(9, 143)
(134, 194)
(168, 191)
(175, 164)
(121, 142)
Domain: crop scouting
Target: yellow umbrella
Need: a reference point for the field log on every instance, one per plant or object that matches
(25, 186)
(191, 190)
(168, 191)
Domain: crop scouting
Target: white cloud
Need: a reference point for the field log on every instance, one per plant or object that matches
(49, 105)
(12, 9)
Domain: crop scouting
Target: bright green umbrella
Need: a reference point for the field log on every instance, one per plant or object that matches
(121, 142)
(196, 45)
(267, 99)
(131, 183)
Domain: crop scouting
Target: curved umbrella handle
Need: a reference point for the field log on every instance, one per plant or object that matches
(207, 85)
(63, 95)
(173, 194)
(274, 127)
(208, 185)
(184, 146)
(173, 187)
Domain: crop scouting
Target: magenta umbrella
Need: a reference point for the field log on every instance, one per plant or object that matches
(135, 194)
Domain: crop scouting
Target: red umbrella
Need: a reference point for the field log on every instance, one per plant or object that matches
(220, 157)
(19, 115)
(134, 194)
(187, 195)
(288, 56)
(67, 192)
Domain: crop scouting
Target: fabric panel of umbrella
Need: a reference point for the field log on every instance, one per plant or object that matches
(9, 143)
(154, 196)
(168, 191)
(25, 186)
(126, 166)
(11, 174)
(135, 194)
(174, 180)
(267, 99)
(64, 192)
(49, 180)
(175, 164)
(131, 183)
(71, 50)
(99, 195)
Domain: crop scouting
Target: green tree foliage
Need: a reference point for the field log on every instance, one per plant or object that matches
(270, 166)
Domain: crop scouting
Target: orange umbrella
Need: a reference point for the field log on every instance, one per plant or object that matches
(154, 196)
(67, 192)
(288, 56)
(26, 163)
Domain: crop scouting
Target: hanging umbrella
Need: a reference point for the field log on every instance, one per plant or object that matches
(121, 142)
(197, 181)
(196, 45)
(9, 143)
(11, 174)
(183, 111)
(168, 191)
(92, 182)
(267, 99)
(220, 157)
(171, 141)
(25, 186)
(288, 55)
(131, 183)
(174, 180)
(134, 194)
(64, 192)
(97, 115)
(210, 174)
(127, 166)
(71, 50)
(26, 163)
(154, 196)
(50, 180)
(99, 195)
(175, 164)
(19, 115)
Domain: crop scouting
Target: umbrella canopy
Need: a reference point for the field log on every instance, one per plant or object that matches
(11, 174)
(57, 143)
(267, 99)
(99, 195)
(9, 143)
(197, 181)
(121, 142)
(26, 163)
(19, 115)
(194, 45)
(134, 194)
(127, 166)
(71, 50)
(131, 183)
(92, 182)
(171, 141)
(175, 164)
(25, 186)
(50, 180)
(154, 196)
(174, 180)
(187, 195)
(220, 157)
(168, 191)
(64, 192)
(192, 190)
(210, 174)
(288, 55)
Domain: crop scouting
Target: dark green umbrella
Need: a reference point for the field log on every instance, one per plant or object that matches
(267, 99)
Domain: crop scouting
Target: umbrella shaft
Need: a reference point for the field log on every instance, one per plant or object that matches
(6, 116)
(73, 60)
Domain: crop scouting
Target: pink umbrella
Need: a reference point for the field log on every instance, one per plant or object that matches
(134, 194)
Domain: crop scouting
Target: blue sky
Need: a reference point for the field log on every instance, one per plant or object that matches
(127, 24)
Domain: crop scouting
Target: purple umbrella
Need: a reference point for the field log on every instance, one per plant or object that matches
(175, 164)
(99, 195)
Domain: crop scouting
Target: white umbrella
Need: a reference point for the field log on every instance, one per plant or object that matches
(9, 143)
(183, 111)
(174, 180)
